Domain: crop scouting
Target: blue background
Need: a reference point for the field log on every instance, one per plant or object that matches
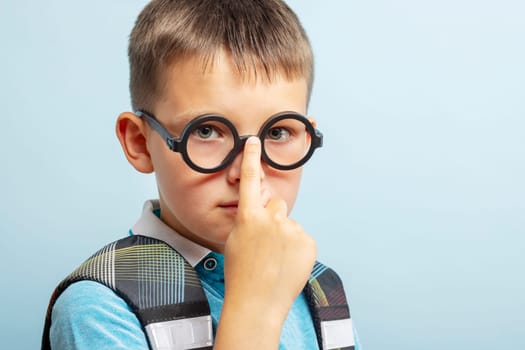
(417, 198)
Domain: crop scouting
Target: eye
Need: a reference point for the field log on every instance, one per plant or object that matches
(206, 132)
(278, 134)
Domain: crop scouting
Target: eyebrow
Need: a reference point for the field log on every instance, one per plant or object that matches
(179, 121)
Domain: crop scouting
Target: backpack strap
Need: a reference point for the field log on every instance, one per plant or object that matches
(165, 293)
(167, 297)
(326, 298)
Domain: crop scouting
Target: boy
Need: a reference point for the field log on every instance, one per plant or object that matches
(204, 75)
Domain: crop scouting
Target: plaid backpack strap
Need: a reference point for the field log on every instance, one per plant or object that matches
(161, 288)
(326, 299)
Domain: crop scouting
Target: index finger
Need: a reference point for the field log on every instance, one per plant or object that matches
(250, 186)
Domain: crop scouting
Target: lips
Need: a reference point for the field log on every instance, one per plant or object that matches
(231, 206)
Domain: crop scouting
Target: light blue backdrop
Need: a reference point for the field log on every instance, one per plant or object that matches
(417, 198)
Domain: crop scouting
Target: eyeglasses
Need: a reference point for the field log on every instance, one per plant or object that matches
(210, 143)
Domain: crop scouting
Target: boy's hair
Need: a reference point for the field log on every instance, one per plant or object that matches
(263, 37)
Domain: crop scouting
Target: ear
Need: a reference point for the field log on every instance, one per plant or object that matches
(131, 132)
(312, 121)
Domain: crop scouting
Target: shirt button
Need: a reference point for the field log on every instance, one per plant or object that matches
(210, 264)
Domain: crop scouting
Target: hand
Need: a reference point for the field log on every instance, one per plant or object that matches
(268, 256)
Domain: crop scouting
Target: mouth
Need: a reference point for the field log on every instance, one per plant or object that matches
(230, 206)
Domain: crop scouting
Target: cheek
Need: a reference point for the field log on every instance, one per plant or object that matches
(186, 195)
(177, 181)
(284, 185)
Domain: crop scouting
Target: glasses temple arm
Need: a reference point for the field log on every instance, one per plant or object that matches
(170, 140)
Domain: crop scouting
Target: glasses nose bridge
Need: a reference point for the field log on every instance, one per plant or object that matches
(238, 149)
(243, 139)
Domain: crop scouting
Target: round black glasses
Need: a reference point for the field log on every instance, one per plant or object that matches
(210, 143)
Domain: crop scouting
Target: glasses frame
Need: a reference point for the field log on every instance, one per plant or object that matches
(179, 144)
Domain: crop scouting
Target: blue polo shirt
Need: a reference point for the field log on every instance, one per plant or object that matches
(88, 315)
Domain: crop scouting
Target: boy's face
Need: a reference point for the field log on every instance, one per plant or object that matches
(202, 207)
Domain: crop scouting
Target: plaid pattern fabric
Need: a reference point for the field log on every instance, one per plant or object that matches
(159, 285)
(326, 298)
(156, 281)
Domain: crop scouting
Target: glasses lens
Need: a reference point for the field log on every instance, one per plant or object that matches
(208, 143)
(287, 141)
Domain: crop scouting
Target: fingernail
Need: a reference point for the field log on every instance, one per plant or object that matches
(252, 140)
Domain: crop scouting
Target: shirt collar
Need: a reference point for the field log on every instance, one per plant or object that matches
(150, 225)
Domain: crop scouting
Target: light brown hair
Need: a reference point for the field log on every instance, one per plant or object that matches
(263, 37)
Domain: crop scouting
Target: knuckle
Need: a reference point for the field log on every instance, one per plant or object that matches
(308, 242)
(296, 227)
(279, 206)
(312, 244)
(310, 249)
(278, 217)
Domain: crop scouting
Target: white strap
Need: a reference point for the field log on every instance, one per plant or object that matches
(187, 333)
(337, 334)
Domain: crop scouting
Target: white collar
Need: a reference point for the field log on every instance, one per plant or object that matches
(150, 225)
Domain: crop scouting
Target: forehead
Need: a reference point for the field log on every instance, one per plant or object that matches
(195, 86)
(248, 67)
